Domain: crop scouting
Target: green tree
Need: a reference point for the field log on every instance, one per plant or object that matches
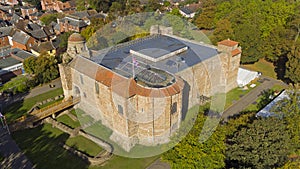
(47, 19)
(63, 38)
(260, 144)
(223, 31)
(206, 19)
(292, 65)
(191, 153)
(46, 68)
(29, 64)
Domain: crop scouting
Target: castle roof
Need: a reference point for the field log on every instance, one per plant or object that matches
(76, 37)
(167, 53)
(228, 42)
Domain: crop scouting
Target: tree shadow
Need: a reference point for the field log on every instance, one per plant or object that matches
(43, 146)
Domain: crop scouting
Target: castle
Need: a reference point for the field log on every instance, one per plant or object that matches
(143, 88)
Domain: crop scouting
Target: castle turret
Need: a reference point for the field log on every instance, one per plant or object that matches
(76, 45)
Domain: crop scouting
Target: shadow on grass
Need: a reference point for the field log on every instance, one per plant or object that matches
(42, 145)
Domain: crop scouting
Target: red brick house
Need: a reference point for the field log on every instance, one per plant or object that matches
(56, 5)
(22, 40)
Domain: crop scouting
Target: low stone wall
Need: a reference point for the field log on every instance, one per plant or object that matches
(61, 126)
(99, 159)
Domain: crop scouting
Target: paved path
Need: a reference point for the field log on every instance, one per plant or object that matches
(34, 92)
(44, 88)
(13, 157)
(251, 97)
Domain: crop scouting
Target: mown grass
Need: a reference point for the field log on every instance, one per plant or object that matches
(42, 145)
(84, 145)
(65, 119)
(236, 93)
(20, 108)
(118, 162)
(49, 103)
(263, 66)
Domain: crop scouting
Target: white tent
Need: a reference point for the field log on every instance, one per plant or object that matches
(266, 111)
(246, 76)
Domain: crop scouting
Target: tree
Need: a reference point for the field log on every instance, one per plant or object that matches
(47, 19)
(29, 64)
(191, 153)
(115, 10)
(206, 19)
(44, 68)
(64, 39)
(223, 31)
(260, 144)
(292, 65)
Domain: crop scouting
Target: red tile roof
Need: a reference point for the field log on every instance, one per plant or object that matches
(228, 42)
(236, 52)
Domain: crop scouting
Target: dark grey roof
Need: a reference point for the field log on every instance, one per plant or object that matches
(161, 52)
(15, 18)
(74, 22)
(20, 37)
(33, 26)
(38, 34)
(4, 23)
(21, 53)
(186, 10)
(27, 7)
(7, 62)
(81, 14)
(36, 14)
(5, 31)
(44, 46)
(7, 51)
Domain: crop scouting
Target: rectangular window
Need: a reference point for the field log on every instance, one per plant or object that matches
(81, 79)
(120, 109)
(174, 108)
(97, 87)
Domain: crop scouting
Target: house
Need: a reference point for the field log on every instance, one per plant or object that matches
(6, 12)
(6, 36)
(55, 5)
(22, 40)
(11, 63)
(142, 89)
(189, 10)
(26, 11)
(70, 23)
(47, 47)
(10, 2)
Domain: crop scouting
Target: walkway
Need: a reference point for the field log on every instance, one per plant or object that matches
(44, 88)
(37, 115)
(251, 97)
(13, 157)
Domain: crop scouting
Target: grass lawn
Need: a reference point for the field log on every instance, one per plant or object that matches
(20, 108)
(236, 93)
(42, 146)
(49, 103)
(117, 162)
(65, 119)
(84, 145)
(256, 107)
(263, 66)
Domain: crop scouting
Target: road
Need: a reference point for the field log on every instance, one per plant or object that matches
(13, 157)
(251, 97)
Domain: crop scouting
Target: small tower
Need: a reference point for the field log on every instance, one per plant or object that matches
(231, 61)
(77, 46)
